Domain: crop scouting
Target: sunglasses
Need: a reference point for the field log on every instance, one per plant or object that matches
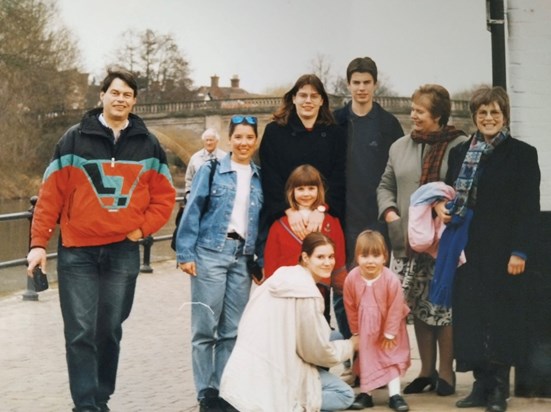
(238, 119)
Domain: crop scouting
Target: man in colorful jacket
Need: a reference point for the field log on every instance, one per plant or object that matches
(108, 185)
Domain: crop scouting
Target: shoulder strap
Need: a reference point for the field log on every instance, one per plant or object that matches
(213, 165)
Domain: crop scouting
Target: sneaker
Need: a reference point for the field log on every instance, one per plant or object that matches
(398, 403)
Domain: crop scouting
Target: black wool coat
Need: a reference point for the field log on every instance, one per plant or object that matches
(489, 305)
(283, 148)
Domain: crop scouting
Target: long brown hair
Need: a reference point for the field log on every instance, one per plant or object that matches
(282, 114)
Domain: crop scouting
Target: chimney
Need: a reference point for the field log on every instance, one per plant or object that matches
(235, 81)
(214, 82)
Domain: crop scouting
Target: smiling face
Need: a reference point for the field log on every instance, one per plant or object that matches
(423, 121)
(118, 101)
(242, 143)
(321, 262)
(489, 120)
(305, 196)
(307, 102)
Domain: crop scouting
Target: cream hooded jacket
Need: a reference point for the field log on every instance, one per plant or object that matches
(282, 336)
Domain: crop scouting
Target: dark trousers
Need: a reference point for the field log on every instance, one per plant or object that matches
(96, 292)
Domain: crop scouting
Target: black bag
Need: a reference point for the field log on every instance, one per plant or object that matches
(213, 165)
(40, 279)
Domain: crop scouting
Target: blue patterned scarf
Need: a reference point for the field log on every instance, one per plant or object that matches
(466, 182)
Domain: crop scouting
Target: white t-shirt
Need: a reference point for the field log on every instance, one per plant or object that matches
(240, 214)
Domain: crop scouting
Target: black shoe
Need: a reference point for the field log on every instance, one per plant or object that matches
(418, 385)
(103, 407)
(398, 403)
(497, 401)
(209, 402)
(362, 401)
(226, 406)
(443, 388)
(476, 398)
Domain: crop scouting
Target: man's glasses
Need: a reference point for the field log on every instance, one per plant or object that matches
(238, 119)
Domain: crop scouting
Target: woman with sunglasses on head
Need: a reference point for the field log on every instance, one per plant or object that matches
(216, 238)
(303, 131)
(497, 180)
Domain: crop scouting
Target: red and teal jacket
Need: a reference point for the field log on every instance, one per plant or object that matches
(100, 190)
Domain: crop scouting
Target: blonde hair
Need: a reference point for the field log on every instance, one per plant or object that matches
(304, 175)
(371, 242)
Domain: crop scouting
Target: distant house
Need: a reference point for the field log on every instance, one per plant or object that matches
(216, 92)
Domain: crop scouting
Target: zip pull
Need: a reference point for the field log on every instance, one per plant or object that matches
(112, 162)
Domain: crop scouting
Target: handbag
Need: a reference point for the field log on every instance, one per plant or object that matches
(213, 165)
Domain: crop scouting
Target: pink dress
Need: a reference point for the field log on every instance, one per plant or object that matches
(373, 311)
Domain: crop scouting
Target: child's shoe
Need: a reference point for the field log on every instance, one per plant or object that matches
(398, 403)
(362, 401)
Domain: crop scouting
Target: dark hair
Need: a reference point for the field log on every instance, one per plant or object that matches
(233, 125)
(304, 175)
(440, 102)
(281, 115)
(119, 73)
(371, 242)
(312, 241)
(362, 65)
(487, 95)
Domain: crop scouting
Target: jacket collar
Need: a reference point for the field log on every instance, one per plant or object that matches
(90, 124)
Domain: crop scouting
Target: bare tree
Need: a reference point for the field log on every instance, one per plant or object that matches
(321, 67)
(162, 70)
(37, 68)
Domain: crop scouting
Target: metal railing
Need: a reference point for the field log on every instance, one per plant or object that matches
(30, 293)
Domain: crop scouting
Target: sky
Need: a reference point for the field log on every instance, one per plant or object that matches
(270, 43)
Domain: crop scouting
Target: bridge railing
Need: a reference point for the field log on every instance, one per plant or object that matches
(248, 105)
(30, 293)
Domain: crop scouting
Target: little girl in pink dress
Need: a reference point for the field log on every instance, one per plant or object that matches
(377, 311)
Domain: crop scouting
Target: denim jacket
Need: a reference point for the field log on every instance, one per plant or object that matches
(209, 230)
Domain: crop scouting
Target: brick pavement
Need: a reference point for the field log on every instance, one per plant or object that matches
(155, 368)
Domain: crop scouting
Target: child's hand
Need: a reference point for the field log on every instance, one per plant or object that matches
(388, 344)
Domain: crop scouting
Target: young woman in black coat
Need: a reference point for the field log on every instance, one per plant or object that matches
(497, 180)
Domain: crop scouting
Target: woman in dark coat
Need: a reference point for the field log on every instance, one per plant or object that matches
(303, 131)
(497, 179)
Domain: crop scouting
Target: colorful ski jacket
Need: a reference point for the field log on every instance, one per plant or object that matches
(100, 190)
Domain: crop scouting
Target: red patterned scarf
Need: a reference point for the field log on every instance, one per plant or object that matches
(438, 142)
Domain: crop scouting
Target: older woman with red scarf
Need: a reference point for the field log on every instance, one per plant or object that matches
(414, 160)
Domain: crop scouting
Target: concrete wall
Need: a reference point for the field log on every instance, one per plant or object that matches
(529, 80)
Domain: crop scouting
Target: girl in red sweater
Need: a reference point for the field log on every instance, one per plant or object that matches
(305, 193)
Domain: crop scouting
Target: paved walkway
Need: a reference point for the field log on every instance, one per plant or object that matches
(155, 367)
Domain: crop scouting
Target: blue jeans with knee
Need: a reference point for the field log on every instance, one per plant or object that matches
(96, 292)
(335, 393)
(219, 294)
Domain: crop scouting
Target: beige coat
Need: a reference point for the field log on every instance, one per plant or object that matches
(281, 336)
(399, 181)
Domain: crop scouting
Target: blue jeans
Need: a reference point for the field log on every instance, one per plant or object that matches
(335, 393)
(96, 291)
(219, 294)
